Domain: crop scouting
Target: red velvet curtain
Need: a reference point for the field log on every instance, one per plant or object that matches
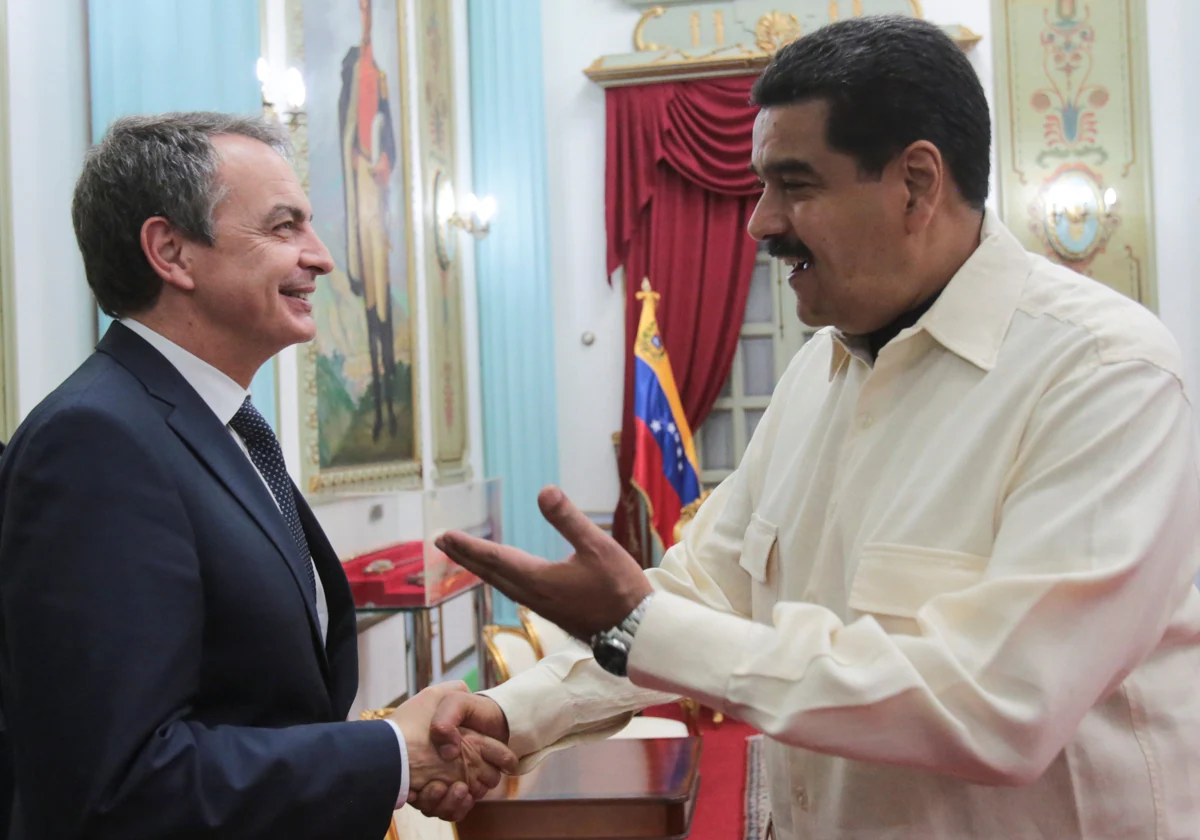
(679, 194)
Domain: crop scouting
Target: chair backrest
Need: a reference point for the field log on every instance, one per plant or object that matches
(547, 637)
(410, 824)
(510, 649)
(688, 514)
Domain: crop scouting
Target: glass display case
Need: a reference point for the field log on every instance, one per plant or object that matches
(414, 573)
(411, 575)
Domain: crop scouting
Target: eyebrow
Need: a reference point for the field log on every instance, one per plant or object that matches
(283, 211)
(787, 166)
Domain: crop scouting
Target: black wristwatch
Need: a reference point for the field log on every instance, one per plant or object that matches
(611, 647)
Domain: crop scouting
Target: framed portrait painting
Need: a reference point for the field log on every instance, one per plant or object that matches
(359, 412)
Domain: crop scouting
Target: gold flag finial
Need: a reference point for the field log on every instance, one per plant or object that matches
(647, 292)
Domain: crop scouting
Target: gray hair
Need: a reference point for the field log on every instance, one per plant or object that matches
(163, 165)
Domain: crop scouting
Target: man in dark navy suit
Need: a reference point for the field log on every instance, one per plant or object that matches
(177, 638)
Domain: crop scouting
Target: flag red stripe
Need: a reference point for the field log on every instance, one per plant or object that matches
(648, 475)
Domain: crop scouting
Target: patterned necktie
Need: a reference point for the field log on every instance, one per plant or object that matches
(268, 458)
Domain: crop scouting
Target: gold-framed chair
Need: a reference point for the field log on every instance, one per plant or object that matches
(510, 650)
(546, 637)
(688, 512)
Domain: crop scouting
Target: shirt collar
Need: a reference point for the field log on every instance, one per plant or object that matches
(219, 392)
(971, 317)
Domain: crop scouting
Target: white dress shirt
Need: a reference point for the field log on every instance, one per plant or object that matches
(953, 586)
(225, 397)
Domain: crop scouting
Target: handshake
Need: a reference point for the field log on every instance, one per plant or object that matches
(457, 748)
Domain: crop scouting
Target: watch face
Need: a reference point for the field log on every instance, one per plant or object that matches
(611, 657)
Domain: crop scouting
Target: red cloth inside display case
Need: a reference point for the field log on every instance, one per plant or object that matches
(395, 577)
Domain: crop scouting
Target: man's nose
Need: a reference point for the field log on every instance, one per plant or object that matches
(767, 220)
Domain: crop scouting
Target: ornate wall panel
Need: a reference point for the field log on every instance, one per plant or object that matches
(443, 264)
(1073, 136)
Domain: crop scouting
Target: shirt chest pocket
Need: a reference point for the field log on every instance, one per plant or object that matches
(893, 582)
(759, 546)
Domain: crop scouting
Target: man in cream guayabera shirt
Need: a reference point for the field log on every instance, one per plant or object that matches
(952, 577)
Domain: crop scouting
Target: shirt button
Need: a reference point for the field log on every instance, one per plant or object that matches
(801, 798)
(865, 421)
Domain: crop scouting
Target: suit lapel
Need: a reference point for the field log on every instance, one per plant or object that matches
(342, 633)
(214, 446)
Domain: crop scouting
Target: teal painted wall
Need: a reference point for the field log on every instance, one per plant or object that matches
(151, 56)
(516, 312)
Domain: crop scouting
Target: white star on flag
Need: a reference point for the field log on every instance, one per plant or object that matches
(671, 428)
(655, 426)
(678, 452)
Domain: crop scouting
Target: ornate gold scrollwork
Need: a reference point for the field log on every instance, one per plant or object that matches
(776, 30)
(639, 41)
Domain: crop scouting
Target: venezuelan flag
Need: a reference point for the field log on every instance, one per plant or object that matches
(665, 470)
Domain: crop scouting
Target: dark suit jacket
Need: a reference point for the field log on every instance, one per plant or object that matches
(161, 669)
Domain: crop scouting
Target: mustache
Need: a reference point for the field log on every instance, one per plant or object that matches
(785, 247)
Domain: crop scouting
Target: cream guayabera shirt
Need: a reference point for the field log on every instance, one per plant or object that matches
(955, 588)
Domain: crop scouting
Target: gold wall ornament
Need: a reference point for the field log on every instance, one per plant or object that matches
(639, 41)
(741, 40)
(775, 31)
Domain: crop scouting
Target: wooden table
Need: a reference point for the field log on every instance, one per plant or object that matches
(606, 790)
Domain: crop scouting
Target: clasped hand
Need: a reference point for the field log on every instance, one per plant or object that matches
(455, 757)
(593, 589)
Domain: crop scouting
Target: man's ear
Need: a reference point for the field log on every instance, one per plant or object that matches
(924, 173)
(167, 252)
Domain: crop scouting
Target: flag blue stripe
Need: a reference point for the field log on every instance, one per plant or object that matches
(651, 405)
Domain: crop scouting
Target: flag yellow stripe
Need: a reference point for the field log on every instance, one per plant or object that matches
(648, 326)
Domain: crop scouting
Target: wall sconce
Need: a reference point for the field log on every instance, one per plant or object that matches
(475, 217)
(283, 92)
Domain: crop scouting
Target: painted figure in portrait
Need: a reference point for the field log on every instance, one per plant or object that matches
(368, 159)
(365, 403)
